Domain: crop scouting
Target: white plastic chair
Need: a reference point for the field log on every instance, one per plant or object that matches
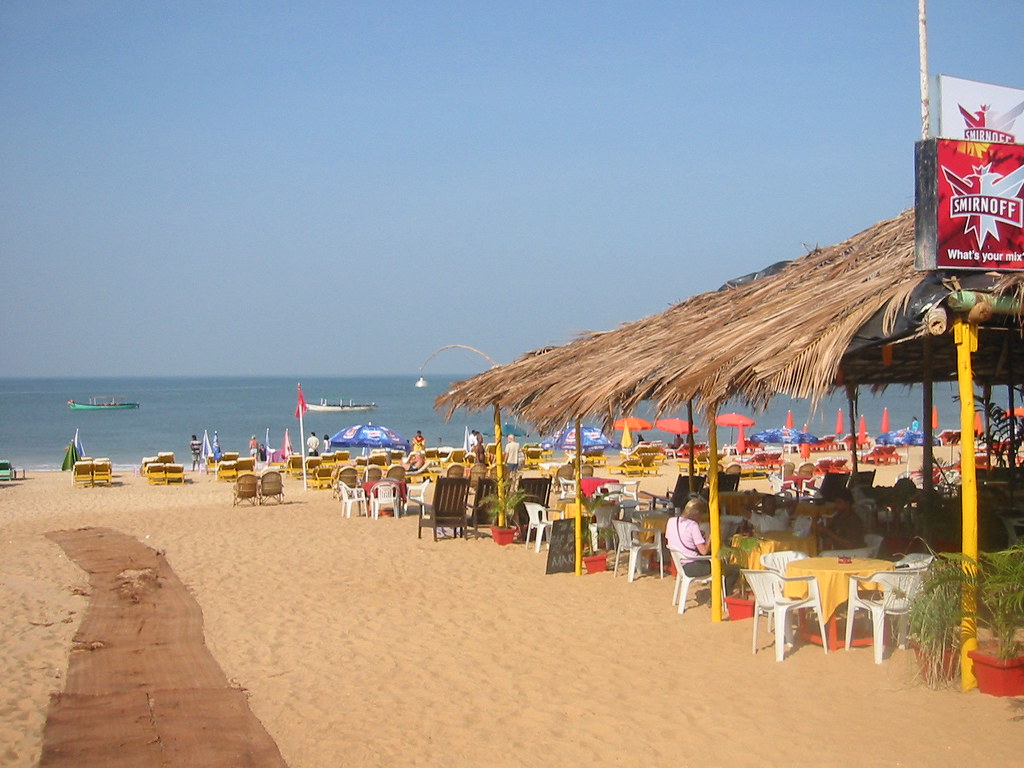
(627, 540)
(802, 525)
(385, 495)
(352, 497)
(777, 561)
(898, 588)
(770, 602)
(603, 517)
(683, 582)
(1014, 525)
(539, 523)
(874, 542)
(416, 493)
(915, 560)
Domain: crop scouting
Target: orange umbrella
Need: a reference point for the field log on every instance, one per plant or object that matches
(979, 429)
(676, 426)
(789, 420)
(885, 420)
(805, 448)
(634, 422)
(736, 420)
(935, 417)
(840, 427)
(862, 431)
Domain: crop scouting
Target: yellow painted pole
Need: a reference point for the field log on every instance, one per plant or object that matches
(579, 497)
(716, 529)
(965, 336)
(499, 458)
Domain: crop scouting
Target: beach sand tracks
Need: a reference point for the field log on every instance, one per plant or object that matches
(142, 689)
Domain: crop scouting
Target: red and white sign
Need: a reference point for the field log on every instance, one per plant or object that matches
(970, 210)
(976, 111)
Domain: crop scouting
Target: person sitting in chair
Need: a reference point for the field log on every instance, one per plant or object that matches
(417, 461)
(683, 535)
(845, 529)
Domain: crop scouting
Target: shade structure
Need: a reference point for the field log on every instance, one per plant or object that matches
(884, 427)
(627, 437)
(634, 423)
(593, 439)
(676, 426)
(784, 436)
(734, 420)
(904, 437)
(369, 436)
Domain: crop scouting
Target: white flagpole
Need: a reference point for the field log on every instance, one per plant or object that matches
(302, 451)
(922, 43)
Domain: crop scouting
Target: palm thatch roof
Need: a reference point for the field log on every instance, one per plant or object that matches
(800, 328)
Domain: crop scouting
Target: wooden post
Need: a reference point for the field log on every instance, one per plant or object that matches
(965, 336)
(713, 506)
(579, 497)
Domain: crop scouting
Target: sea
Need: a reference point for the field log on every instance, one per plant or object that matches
(36, 423)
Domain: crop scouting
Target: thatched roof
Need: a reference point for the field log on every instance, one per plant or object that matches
(800, 329)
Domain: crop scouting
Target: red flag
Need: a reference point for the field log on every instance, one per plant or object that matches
(301, 406)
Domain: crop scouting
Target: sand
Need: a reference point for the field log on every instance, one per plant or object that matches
(360, 645)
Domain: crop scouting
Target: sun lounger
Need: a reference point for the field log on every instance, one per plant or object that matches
(227, 470)
(156, 473)
(174, 473)
(102, 472)
(82, 474)
(7, 472)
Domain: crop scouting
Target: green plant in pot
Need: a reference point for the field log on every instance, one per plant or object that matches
(502, 509)
(936, 614)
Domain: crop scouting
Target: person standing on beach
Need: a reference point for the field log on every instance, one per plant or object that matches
(479, 452)
(513, 456)
(313, 444)
(915, 425)
(327, 442)
(196, 446)
(419, 442)
(254, 447)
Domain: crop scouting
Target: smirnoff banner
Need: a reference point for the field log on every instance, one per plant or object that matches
(979, 111)
(969, 210)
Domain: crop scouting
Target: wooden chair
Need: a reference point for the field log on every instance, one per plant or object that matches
(483, 488)
(246, 489)
(271, 486)
(447, 508)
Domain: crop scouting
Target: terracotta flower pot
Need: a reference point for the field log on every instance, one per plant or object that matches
(739, 608)
(997, 677)
(596, 563)
(503, 536)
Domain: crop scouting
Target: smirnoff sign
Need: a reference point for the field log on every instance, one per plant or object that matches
(970, 210)
(976, 111)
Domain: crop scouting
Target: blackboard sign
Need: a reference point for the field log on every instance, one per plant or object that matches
(562, 547)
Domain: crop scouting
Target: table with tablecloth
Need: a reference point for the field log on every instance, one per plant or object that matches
(833, 578)
(737, 503)
(771, 541)
(590, 484)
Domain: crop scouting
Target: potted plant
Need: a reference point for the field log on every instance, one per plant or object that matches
(501, 508)
(935, 617)
(739, 606)
(595, 560)
(998, 578)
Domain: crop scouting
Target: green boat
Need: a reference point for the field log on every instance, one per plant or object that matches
(102, 404)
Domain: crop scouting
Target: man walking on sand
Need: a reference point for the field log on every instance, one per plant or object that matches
(312, 444)
(513, 456)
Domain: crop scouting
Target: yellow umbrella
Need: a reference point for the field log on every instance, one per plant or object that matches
(627, 437)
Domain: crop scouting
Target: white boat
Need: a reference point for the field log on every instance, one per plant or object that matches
(421, 382)
(340, 407)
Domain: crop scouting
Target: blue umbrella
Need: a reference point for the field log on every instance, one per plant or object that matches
(782, 436)
(369, 436)
(903, 437)
(592, 437)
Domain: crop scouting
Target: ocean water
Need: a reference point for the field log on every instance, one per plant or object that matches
(36, 423)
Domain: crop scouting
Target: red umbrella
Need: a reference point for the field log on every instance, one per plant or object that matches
(1017, 412)
(789, 420)
(634, 422)
(885, 420)
(935, 417)
(734, 420)
(840, 427)
(675, 426)
(979, 429)
(862, 432)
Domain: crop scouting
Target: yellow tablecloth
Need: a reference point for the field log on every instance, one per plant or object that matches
(737, 503)
(833, 578)
(813, 510)
(775, 541)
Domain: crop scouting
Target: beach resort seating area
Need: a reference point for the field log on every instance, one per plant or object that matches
(88, 472)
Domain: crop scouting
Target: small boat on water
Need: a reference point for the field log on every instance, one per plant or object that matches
(340, 407)
(102, 404)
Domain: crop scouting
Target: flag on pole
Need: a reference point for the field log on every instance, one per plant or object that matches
(467, 442)
(300, 407)
(207, 450)
(78, 444)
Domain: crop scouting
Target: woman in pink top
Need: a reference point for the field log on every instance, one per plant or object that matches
(683, 535)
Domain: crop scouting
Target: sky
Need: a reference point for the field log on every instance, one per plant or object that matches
(341, 188)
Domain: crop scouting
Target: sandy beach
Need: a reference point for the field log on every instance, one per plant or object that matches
(360, 645)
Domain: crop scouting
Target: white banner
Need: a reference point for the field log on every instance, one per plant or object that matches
(973, 111)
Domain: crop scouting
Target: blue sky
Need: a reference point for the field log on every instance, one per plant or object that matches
(344, 187)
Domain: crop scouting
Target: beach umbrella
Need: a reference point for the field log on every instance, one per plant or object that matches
(591, 437)
(789, 419)
(369, 436)
(71, 455)
(286, 444)
(935, 417)
(467, 442)
(840, 425)
(216, 446)
(805, 448)
(784, 436)
(207, 450)
(885, 420)
(736, 420)
(633, 422)
(904, 437)
(676, 426)
(862, 430)
(627, 437)
(979, 428)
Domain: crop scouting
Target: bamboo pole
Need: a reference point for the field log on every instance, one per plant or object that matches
(691, 444)
(713, 506)
(965, 336)
(499, 458)
(579, 497)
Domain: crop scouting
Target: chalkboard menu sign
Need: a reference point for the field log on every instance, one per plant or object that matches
(562, 547)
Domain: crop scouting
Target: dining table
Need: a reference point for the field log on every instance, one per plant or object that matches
(589, 485)
(833, 577)
(770, 541)
(403, 488)
(737, 503)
